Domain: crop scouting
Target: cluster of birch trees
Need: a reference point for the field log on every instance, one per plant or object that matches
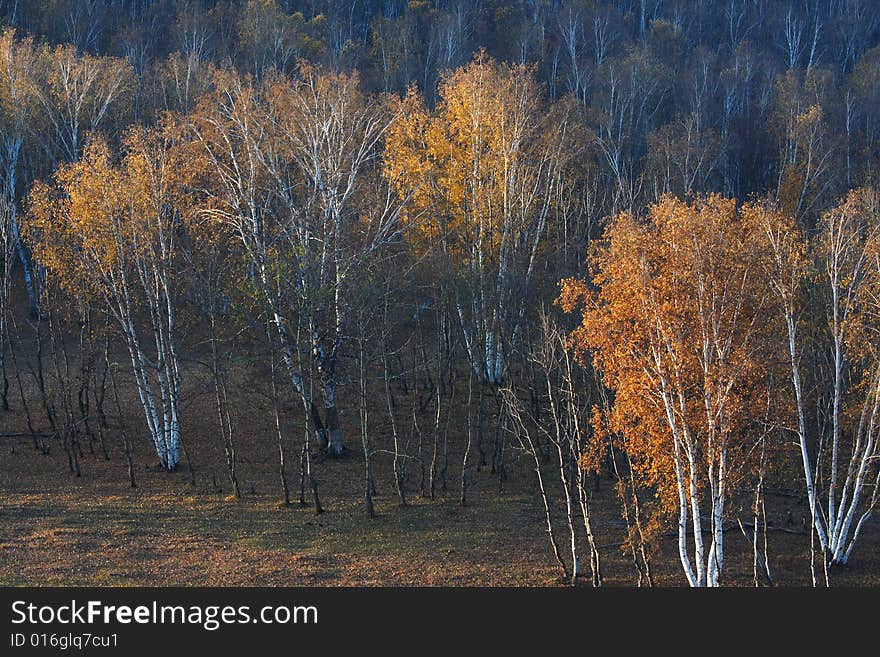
(467, 238)
(727, 333)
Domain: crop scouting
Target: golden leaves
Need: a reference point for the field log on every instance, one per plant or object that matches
(103, 213)
(470, 168)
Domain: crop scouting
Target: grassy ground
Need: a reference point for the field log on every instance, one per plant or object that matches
(58, 529)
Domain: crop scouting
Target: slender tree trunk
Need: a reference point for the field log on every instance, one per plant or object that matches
(307, 458)
(122, 427)
(279, 434)
(399, 483)
(365, 440)
(445, 466)
(482, 454)
(421, 454)
(100, 397)
(470, 436)
(432, 472)
(223, 416)
(529, 447)
(68, 430)
(40, 443)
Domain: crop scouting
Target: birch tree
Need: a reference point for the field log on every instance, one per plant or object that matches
(268, 37)
(481, 170)
(560, 420)
(7, 253)
(19, 65)
(109, 230)
(296, 183)
(16, 100)
(677, 327)
(78, 93)
(805, 154)
(839, 451)
(51, 99)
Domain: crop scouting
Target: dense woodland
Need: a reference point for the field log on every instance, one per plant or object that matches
(625, 239)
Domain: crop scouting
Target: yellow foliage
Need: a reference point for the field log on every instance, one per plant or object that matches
(471, 167)
(101, 217)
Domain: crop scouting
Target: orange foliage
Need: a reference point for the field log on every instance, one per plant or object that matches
(679, 323)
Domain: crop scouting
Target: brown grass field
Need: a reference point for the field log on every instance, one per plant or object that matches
(57, 529)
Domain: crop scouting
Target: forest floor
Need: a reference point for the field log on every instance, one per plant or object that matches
(95, 529)
(58, 529)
